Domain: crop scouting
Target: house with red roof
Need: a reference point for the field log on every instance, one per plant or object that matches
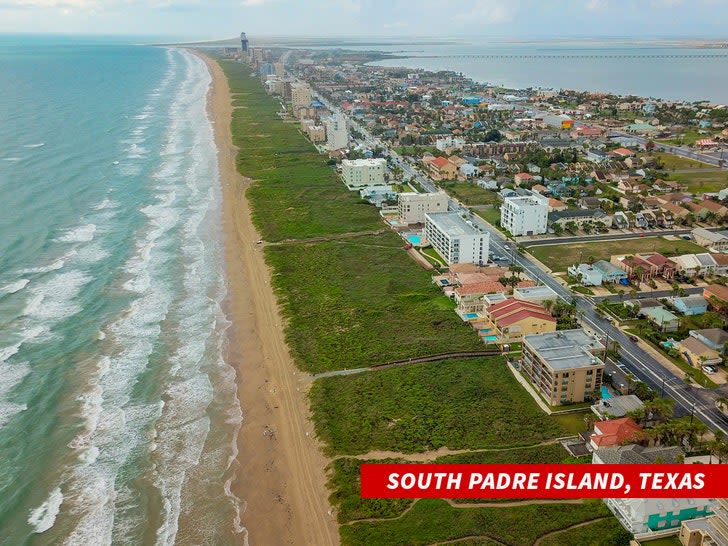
(441, 168)
(519, 178)
(622, 153)
(615, 432)
(512, 319)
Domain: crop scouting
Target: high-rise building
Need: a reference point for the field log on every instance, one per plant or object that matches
(413, 206)
(244, 43)
(359, 173)
(455, 239)
(300, 95)
(280, 70)
(526, 215)
(337, 136)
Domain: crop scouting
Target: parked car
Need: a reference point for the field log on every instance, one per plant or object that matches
(710, 370)
(634, 338)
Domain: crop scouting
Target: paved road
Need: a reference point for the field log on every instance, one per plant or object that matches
(677, 150)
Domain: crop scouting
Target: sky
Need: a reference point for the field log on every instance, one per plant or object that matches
(217, 19)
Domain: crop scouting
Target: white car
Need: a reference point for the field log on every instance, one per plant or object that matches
(710, 370)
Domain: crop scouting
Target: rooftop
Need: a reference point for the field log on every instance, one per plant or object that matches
(453, 224)
(634, 454)
(566, 349)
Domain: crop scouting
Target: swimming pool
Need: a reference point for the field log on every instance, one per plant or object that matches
(490, 339)
(484, 331)
(605, 393)
(414, 239)
(470, 315)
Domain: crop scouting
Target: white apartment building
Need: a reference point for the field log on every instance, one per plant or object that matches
(413, 206)
(358, 173)
(456, 143)
(337, 136)
(456, 240)
(300, 95)
(525, 215)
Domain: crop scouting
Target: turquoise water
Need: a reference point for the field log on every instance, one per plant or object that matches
(414, 239)
(118, 412)
(471, 315)
(491, 339)
(605, 393)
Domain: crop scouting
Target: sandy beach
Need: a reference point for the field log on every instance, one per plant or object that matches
(280, 472)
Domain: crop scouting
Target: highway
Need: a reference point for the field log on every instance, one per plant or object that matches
(689, 400)
(675, 150)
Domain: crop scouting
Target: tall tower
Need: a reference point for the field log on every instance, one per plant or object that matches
(243, 42)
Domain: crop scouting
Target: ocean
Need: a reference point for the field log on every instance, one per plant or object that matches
(645, 68)
(118, 413)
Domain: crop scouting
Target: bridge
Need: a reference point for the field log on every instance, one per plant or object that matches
(578, 56)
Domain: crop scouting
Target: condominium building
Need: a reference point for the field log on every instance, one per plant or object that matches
(564, 366)
(525, 215)
(455, 239)
(358, 173)
(710, 531)
(300, 95)
(414, 206)
(337, 136)
(279, 70)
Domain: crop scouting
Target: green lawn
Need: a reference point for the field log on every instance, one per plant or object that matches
(433, 520)
(362, 301)
(672, 162)
(608, 532)
(559, 257)
(667, 541)
(296, 195)
(702, 182)
(460, 404)
(491, 215)
(470, 194)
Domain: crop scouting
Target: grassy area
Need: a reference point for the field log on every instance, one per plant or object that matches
(702, 182)
(433, 520)
(296, 195)
(470, 194)
(688, 137)
(345, 485)
(607, 532)
(573, 423)
(559, 257)
(667, 541)
(434, 255)
(673, 162)
(490, 215)
(362, 301)
(471, 404)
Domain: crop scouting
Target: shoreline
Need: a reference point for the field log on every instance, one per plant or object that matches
(280, 470)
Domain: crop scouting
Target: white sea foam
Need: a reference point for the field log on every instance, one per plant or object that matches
(54, 299)
(81, 234)
(58, 264)
(14, 287)
(91, 254)
(40, 144)
(106, 204)
(43, 517)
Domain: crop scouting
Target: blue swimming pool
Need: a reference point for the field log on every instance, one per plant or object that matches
(414, 239)
(605, 393)
(490, 339)
(470, 315)
(484, 331)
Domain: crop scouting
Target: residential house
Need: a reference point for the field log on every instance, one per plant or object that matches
(520, 178)
(580, 217)
(587, 274)
(696, 353)
(663, 319)
(590, 203)
(620, 220)
(714, 241)
(698, 210)
(556, 205)
(715, 207)
(597, 156)
(564, 366)
(616, 406)
(721, 263)
(666, 267)
(535, 294)
(690, 305)
(636, 267)
(690, 265)
(615, 432)
(512, 319)
(610, 273)
(715, 338)
(621, 153)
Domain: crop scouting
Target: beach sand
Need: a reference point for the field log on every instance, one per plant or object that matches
(280, 474)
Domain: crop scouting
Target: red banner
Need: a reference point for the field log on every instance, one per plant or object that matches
(543, 481)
